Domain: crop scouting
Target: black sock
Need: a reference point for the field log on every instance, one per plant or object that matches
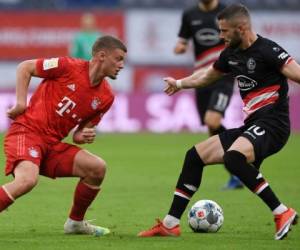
(188, 182)
(217, 130)
(236, 164)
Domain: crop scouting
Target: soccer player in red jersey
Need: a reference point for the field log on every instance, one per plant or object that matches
(261, 68)
(73, 94)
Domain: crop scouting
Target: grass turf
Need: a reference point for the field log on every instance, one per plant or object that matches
(142, 172)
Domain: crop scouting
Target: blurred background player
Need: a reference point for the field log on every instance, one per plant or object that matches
(73, 94)
(199, 24)
(83, 41)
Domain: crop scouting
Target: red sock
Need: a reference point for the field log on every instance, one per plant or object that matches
(5, 200)
(83, 197)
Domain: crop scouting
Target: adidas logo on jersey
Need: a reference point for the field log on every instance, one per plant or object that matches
(71, 87)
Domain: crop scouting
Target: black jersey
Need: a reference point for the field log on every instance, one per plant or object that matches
(257, 72)
(201, 26)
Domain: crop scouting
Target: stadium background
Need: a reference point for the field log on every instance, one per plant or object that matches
(31, 29)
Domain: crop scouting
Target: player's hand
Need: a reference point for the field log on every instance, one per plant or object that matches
(15, 111)
(88, 135)
(171, 88)
(84, 135)
(180, 48)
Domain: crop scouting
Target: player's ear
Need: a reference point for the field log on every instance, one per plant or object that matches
(240, 28)
(100, 55)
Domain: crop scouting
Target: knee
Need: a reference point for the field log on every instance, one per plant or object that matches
(232, 159)
(191, 154)
(193, 160)
(191, 174)
(26, 183)
(97, 169)
(212, 123)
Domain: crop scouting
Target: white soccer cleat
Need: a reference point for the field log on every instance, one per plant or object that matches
(84, 227)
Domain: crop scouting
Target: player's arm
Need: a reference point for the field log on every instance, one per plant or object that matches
(25, 71)
(184, 34)
(197, 80)
(292, 71)
(181, 46)
(85, 133)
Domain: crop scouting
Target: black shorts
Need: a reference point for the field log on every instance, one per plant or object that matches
(268, 135)
(214, 97)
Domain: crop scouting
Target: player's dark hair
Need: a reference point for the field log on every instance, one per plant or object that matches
(108, 42)
(234, 11)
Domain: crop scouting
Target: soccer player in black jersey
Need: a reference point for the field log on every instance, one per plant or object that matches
(261, 68)
(199, 24)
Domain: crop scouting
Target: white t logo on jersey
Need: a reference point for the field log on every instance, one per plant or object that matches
(65, 106)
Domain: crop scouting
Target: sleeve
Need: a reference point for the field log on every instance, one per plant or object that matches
(97, 118)
(185, 31)
(52, 67)
(221, 64)
(276, 56)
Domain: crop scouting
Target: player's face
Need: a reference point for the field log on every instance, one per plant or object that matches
(113, 63)
(230, 33)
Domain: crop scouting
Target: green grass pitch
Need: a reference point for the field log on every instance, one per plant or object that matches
(142, 172)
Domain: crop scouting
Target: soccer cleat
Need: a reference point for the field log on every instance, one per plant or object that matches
(160, 230)
(284, 222)
(84, 227)
(233, 183)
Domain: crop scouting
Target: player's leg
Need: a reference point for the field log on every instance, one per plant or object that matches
(219, 99)
(25, 178)
(213, 121)
(237, 159)
(202, 97)
(65, 160)
(91, 170)
(218, 103)
(204, 153)
(23, 155)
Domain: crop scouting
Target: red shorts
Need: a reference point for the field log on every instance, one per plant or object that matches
(54, 160)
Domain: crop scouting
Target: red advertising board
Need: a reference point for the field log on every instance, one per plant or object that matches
(26, 35)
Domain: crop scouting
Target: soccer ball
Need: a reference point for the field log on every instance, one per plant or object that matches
(205, 216)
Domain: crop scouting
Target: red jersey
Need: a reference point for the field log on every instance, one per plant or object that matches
(65, 98)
